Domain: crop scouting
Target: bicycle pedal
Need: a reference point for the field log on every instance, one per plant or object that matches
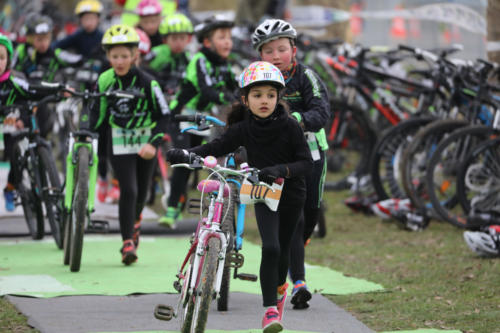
(177, 286)
(193, 206)
(98, 226)
(247, 277)
(235, 259)
(164, 312)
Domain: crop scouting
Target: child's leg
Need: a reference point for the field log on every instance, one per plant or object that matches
(125, 169)
(297, 253)
(289, 217)
(268, 223)
(145, 170)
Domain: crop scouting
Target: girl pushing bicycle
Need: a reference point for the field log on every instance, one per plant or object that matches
(134, 128)
(276, 145)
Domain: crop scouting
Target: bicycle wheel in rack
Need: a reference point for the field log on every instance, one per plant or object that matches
(478, 180)
(442, 171)
(386, 157)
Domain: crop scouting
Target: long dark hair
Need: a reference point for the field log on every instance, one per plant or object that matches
(239, 109)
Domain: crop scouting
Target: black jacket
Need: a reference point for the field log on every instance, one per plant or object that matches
(275, 140)
(306, 94)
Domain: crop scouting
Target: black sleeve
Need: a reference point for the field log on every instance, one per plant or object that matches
(317, 111)
(225, 144)
(303, 161)
(161, 114)
(207, 85)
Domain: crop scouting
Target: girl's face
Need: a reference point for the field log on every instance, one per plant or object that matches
(279, 52)
(89, 22)
(150, 24)
(261, 100)
(178, 42)
(121, 58)
(4, 59)
(220, 42)
(41, 43)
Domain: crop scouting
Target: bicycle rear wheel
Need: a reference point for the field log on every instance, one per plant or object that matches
(203, 294)
(32, 207)
(228, 226)
(79, 213)
(51, 189)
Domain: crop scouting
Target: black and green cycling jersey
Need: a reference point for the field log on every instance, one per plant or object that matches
(42, 66)
(150, 111)
(308, 100)
(165, 65)
(17, 91)
(208, 81)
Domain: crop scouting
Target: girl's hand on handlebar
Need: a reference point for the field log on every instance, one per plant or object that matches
(147, 152)
(176, 155)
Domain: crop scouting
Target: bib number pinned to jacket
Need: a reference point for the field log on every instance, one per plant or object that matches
(129, 141)
(251, 194)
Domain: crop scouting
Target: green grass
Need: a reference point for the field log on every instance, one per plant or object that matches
(11, 320)
(432, 279)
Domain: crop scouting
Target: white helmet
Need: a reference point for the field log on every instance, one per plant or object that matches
(484, 243)
(272, 29)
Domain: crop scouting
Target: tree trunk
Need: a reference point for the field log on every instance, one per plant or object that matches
(492, 15)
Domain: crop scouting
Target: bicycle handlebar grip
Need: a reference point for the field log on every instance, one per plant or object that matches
(406, 48)
(185, 117)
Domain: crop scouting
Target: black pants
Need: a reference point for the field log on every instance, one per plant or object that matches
(308, 219)
(134, 175)
(180, 176)
(276, 230)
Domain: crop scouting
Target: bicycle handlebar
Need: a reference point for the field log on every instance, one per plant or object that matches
(251, 174)
(203, 121)
(90, 95)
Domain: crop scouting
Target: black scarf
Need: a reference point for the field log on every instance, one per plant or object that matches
(266, 130)
(213, 57)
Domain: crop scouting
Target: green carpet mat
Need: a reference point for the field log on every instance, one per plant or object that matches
(36, 268)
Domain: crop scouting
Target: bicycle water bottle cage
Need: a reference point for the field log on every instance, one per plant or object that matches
(211, 185)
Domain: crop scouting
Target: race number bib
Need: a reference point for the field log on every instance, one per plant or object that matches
(251, 194)
(313, 145)
(129, 141)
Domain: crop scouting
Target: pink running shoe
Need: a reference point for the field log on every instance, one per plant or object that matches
(281, 301)
(114, 193)
(271, 322)
(102, 190)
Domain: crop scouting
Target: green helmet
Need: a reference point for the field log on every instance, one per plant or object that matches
(175, 24)
(5, 41)
(120, 34)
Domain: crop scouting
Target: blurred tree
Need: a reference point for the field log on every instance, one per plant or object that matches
(334, 30)
(493, 12)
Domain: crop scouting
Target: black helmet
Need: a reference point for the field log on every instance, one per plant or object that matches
(38, 24)
(214, 22)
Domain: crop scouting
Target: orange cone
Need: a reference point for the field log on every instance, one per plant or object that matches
(356, 22)
(398, 28)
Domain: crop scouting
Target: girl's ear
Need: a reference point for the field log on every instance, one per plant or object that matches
(244, 100)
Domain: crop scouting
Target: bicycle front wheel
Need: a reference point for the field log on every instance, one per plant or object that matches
(51, 188)
(203, 294)
(32, 208)
(228, 226)
(79, 213)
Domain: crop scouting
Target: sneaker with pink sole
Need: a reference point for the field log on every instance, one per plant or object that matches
(271, 322)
